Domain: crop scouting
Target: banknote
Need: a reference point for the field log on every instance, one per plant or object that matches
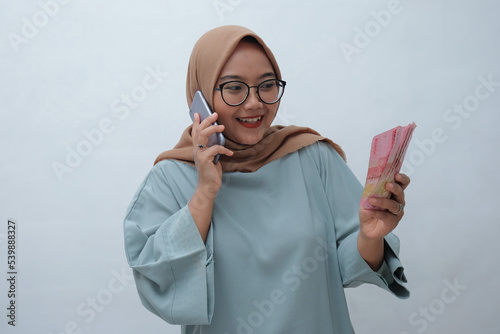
(386, 158)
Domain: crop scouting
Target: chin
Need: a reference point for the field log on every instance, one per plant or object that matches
(252, 140)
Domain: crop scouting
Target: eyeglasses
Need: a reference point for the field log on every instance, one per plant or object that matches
(235, 93)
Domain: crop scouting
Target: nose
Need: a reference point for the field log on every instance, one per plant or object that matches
(253, 101)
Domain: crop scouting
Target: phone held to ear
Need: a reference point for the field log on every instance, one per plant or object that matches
(201, 107)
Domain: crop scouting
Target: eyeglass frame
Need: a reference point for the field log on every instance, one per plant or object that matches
(248, 91)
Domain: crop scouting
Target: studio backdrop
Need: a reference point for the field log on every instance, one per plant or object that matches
(92, 91)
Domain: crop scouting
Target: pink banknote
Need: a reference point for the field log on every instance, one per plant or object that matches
(386, 157)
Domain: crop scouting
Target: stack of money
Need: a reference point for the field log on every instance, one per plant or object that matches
(386, 157)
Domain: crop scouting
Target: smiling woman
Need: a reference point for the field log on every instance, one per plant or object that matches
(266, 239)
(242, 111)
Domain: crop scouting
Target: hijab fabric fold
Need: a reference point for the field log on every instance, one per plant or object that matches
(277, 142)
(208, 57)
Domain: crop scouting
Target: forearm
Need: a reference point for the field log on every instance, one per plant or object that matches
(201, 207)
(371, 250)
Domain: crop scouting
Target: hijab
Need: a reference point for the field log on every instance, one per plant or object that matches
(208, 57)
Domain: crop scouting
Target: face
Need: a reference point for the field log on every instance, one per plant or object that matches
(248, 122)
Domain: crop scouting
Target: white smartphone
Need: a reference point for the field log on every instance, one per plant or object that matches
(201, 107)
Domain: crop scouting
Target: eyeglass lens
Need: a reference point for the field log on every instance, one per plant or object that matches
(236, 92)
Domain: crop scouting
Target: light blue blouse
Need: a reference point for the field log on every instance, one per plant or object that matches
(281, 248)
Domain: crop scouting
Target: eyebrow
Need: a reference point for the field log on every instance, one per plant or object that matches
(237, 77)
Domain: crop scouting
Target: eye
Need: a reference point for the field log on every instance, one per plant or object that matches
(268, 85)
(233, 87)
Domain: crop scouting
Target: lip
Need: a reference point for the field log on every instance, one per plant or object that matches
(251, 125)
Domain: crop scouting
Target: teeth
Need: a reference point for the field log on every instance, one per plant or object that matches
(250, 120)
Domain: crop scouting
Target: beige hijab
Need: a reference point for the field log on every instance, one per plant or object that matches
(208, 57)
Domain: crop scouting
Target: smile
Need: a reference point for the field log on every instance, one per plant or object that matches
(250, 120)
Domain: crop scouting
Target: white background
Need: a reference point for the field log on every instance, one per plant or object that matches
(63, 67)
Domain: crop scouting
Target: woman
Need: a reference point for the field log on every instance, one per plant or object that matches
(265, 240)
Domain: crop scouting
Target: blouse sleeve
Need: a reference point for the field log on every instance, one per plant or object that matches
(172, 266)
(344, 193)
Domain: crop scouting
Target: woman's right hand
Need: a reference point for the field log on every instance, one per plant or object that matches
(209, 174)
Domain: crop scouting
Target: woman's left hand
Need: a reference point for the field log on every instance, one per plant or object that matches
(376, 224)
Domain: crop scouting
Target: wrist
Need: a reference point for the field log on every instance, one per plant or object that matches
(201, 207)
(207, 190)
(370, 244)
(364, 237)
(371, 250)
(202, 199)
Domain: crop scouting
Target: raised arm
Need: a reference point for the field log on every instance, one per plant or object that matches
(172, 266)
(209, 174)
(344, 194)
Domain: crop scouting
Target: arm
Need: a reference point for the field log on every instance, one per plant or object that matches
(172, 266)
(343, 191)
(376, 224)
(166, 232)
(372, 251)
(209, 174)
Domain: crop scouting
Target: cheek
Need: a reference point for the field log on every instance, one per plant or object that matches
(273, 112)
(217, 105)
(223, 110)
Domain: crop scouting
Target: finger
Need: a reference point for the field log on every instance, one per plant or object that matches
(196, 124)
(388, 218)
(196, 120)
(208, 154)
(209, 120)
(224, 150)
(388, 204)
(199, 124)
(205, 129)
(403, 180)
(218, 149)
(207, 132)
(200, 134)
(202, 138)
(397, 192)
